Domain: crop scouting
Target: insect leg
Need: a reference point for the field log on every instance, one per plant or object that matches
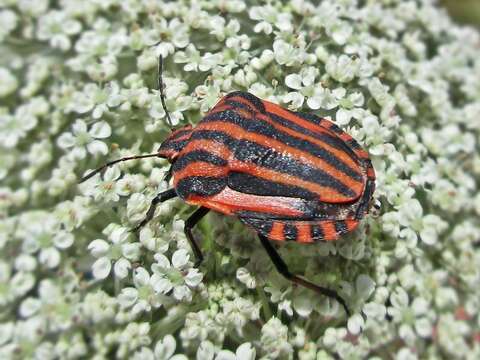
(283, 269)
(163, 196)
(189, 224)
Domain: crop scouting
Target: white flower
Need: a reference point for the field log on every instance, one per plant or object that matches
(270, 17)
(8, 82)
(57, 27)
(411, 317)
(342, 69)
(13, 286)
(83, 139)
(33, 8)
(286, 54)
(364, 288)
(118, 251)
(50, 304)
(96, 99)
(142, 297)
(176, 102)
(15, 127)
(244, 276)
(195, 61)
(175, 33)
(244, 352)
(324, 98)
(43, 235)
(134, 336)
(239, 311)
(178, 275)
(304, 83)
(165, 349)
(9, 21)
(98, 307)
(274, 339)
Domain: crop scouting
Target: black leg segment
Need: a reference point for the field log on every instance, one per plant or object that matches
(163, 196)
(189, 224)
(283, 269)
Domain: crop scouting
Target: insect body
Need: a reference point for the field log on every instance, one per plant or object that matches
(288, 175)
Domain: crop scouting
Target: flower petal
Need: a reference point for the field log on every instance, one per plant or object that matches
(50, 257)
(101, 130)
(165, 348)
(97, 147)
(180, 258)
(98, 247)
(121, 268)
(246, 352)
(128, 297)
(101, 268)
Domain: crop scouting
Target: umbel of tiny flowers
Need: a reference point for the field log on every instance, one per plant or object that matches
(78, 86)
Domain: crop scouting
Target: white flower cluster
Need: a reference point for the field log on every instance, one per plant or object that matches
(78, 87)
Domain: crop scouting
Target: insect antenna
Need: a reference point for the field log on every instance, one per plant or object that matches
(103, 167)
(160, 88)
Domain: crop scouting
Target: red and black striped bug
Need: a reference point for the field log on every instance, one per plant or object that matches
(291, 176)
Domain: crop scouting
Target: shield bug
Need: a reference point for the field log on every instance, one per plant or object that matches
(291, 176)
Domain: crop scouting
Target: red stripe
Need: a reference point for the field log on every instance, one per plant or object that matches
(199, 168)
(351, 224)
(304, 233)
(229, 202)
(276, 233)
(329, 232)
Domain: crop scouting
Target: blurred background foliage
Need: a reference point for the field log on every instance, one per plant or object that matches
(464, 11)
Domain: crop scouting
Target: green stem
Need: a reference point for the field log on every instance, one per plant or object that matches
(265, 305)
(174, 320)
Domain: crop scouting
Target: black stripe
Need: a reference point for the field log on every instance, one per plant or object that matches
(250, 184)
(261, 127)
(317, 232)
(270, 216)
(365, 201)
(198, 155)
(236, 104)
(174, 145)
(200, 185)
(256, 102)
(317, 120)
(340, 227)
(268, 158)
(333, 141)
(354, 144)
(327, 124)
(290, 231)
(260, 225)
